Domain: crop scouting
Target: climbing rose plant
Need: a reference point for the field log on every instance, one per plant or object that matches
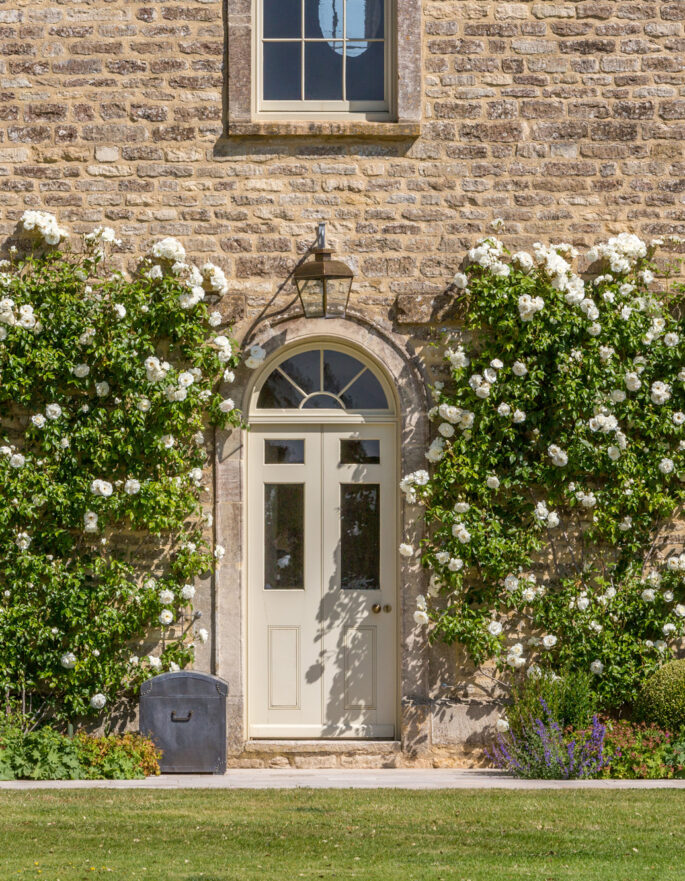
(107, 385)
(558, 460)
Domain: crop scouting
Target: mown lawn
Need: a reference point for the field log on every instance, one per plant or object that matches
(331, 834)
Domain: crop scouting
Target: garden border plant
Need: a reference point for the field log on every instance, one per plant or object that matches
(107, 385)
(558, 460)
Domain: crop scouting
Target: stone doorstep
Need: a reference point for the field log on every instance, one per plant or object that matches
(318, 754)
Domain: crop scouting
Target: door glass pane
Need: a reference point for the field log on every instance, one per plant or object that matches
(279, 393)
(360, 536)
(360, 452)
(283, 18)
(323, 78)
(323, 18)
(284, 452)
(305, 370)
(365, 393)
(322, 402)
(364, 18)
(284, 536)
(338, 370)
(365, 71)
(282, 71)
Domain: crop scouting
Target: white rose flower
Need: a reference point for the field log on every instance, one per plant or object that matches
(98, 701)
(597, 667)
(668, 596)
(668, 628)
(666, 465)
(90, 521)
(68, 660)
(53, 411)
(446, 429)
(17, 460)
(492, 482)
(227, 405)
(460, 532)
(202, 635)
(154, 662)
(648, 595)
(660, 392)
(219, 552)
(168, 441)
(255, 358)
(421, 617)
(502, 726)
(519, 368)
(460, 281)
(494, 628)
(553, 520)
(618, 396)
(504, 409)
(582, 603)
(549, 641)
(38, 420)
(678, 418)
(614, 453)
(119, 310)
(81, 370)
(511, 582)
(214, 319)
(101, 488)
(455, 564)
(406, 550)
(461, 507)
(632, 381)
(188, 591)
(558, 456)
(165, 617)
(529, 594)
(132, 486)
(680, 610)
(143, 404)
(519, 416)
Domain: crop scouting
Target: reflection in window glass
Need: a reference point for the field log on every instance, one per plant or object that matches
(360, 536)
(283, 536)
(360, 452)
(284, 452)
(323, 18)
(322, 402)
(365, 393)
(305, 370)
(278, 393)
(339, 369)
(364, 18)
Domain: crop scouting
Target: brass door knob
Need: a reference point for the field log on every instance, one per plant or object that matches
(375, 608)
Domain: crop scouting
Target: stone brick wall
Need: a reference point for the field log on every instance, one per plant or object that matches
(567, 119)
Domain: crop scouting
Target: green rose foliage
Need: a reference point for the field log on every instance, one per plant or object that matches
(75, 556)
(560, 450)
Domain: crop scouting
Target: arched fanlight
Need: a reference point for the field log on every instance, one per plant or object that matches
(323, 284)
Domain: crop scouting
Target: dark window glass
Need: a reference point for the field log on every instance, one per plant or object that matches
(322, 402)
(305, 370)
(365, 71)
(360, 536)
(364, 18)
(360, 452)
(283, 18)
(323, 64)
(284, 536)
(323, 18)
(282, 71)
(279, 393)
(365, 393)
(284, 452)
(338, 370)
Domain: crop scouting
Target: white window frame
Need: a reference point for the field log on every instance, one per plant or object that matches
(376, 111)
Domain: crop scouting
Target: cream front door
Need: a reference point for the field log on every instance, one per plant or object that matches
(322, 599)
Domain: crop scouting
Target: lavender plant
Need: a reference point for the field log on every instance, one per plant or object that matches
(542, 751)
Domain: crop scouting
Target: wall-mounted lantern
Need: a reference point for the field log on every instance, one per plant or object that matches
(323, 284)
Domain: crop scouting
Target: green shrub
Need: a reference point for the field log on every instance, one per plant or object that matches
(638, 751)
(46, 754)
(662, 699)
(117, 757)
(569, 698)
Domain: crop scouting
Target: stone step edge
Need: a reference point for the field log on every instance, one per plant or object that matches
(302, 747)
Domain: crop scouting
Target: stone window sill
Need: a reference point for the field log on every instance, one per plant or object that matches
(324, 128)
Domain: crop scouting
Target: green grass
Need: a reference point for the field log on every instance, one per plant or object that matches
(334, 834)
